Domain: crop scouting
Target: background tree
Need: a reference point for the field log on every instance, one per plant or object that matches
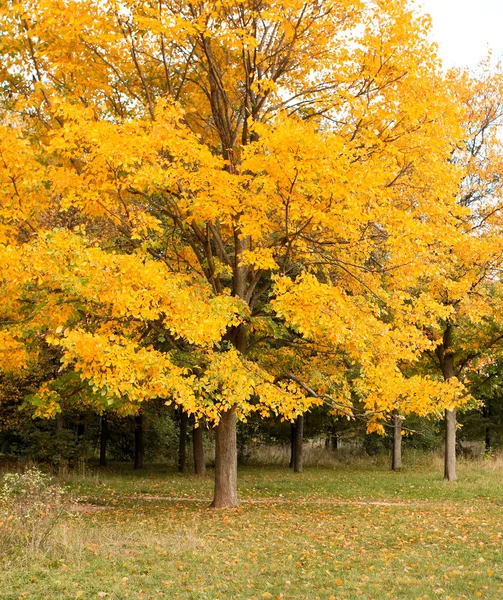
(469, 274)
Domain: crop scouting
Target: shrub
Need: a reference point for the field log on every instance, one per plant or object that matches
(30, 507)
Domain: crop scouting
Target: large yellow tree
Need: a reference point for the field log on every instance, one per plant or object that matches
(200, 178)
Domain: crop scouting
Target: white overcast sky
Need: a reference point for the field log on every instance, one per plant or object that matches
(466, 29)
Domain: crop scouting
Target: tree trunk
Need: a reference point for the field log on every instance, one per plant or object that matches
(292, 445)
(334, 439)
(182, 445)
(450, 445)
(299, 435)
(198, 449)
(138, 442)
(103, 441)
(226, 462)
(446, 357)
(486, 413)
(396, 461)
(59, 423)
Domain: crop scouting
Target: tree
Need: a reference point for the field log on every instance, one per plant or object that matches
(468, 283)
(215, 193)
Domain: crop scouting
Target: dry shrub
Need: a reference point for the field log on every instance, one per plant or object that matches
(30, 507)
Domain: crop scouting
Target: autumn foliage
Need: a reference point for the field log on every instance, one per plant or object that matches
(235, 206)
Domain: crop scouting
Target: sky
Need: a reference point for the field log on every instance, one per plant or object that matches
(466, 29)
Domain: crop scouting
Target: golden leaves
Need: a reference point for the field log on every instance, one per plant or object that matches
(314, 140)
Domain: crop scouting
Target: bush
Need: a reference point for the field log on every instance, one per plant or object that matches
(30, 507)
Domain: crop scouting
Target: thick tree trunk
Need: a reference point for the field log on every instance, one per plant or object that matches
(226, 454)
(299, 438)
(396, 461)
(292, 445)
(226, 462)
(198, 450)
(182, 445)
(138, 442)
(103, 440)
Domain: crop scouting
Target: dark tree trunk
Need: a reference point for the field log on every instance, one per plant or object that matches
(486, 413)
(445, 353)
(226, 462)
(5, 446)
(396, 461)
(103, 440)
(182, 445)
(81, 429)
(198, 449)
(299, 435)
(334, 439)
(292, 445)
(138, 442)
(59, 423)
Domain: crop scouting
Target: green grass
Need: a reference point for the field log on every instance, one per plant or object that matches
(353, 531)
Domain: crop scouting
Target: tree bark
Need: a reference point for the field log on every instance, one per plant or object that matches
(299, 435)
(59, 423)
(486, 413)
(182, 445)
(334, 439)
(450, 445)
(445, 354)
(226, 462)
(292, 445)
(81, 428)
(198, 449)
(103, 440)
(138, 442)
(396, 461)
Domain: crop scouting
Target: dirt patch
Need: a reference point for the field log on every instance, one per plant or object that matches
(86, 508)
(277, 500)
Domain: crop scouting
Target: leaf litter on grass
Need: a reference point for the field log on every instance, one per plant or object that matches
(315, 545)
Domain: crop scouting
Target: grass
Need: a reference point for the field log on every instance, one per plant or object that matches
(353, 531)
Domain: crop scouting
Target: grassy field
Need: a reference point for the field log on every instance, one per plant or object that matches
(349, 531)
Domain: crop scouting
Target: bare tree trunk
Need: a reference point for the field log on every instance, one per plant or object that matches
(299, 435)
(59, 423)
(81, 429)
(103, 440)
(335, 440)
(292, 445)
(486, 413)
(396, 461)
(198, 449)
(182, 446)
(445, 354)
(226, 462)
(138, 442)
(450, 445)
